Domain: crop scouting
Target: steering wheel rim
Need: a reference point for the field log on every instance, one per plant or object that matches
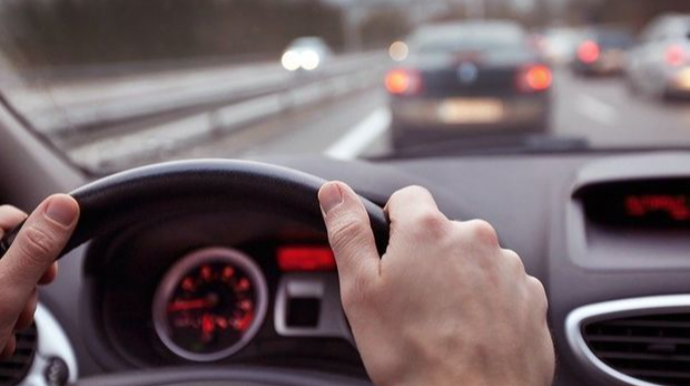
(122, 198)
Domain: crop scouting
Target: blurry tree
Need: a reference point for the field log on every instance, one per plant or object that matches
(633, 13)
(77, 32)
(383, 26)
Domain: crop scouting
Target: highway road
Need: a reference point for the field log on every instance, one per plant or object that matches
(355, 123)
(600, 110)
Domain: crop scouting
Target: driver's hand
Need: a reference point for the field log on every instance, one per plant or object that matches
(445, 305)
(31, 261)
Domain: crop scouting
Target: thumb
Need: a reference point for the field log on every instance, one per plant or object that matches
(37, 245)
(349, 233)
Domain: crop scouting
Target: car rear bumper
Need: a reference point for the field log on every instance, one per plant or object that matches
(464, 114)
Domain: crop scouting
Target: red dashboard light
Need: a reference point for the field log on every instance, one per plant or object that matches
(306, 258)
(676, 207)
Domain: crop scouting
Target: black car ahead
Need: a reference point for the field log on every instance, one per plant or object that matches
(469, 78)
(602, 51)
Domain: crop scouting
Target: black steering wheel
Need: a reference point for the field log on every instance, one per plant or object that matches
(138, 194)
(144, 193)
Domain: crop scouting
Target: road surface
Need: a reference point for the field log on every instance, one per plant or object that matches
(599, 110)
(347, 117)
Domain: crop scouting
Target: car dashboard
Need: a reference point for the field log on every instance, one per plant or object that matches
(616, 284)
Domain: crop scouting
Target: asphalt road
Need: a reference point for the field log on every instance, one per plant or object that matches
(598, 110)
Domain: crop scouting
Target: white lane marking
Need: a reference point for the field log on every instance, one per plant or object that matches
(361, 136)
(596, 110)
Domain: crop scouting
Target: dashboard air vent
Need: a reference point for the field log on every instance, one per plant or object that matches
(652, 348)
(14, 369)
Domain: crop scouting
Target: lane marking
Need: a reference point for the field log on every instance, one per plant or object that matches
(596, 110)
(355, 141)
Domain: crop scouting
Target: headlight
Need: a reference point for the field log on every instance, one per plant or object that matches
(398, 51)
(290, 60)
(310, 60)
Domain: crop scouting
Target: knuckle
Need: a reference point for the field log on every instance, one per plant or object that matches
(37, 244)
(409, 191)
(483, 231)
(514, 261)
(538, 290)
(430, 222)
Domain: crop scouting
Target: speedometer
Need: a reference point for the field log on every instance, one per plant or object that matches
(210, 304)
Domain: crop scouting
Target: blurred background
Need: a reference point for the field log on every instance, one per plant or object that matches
(118, 83)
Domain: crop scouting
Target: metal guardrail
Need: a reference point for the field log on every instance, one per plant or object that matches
(69, 110)
(119, 151)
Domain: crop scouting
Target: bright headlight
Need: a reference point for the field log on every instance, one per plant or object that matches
(310, 60)
(290, 60)
(398, 51)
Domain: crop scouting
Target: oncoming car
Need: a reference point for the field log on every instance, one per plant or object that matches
(468, 78)
(306, 53)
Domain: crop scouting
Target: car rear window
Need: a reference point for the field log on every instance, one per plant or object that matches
(460, 39)
(615, 39)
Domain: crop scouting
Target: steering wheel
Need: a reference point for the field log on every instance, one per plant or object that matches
(144, 193)
(138, 194)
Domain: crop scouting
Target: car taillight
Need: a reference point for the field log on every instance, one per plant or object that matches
(588, 52)
(675, 56)
(535, 78)
(403, 82)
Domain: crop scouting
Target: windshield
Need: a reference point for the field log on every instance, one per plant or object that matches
(470, 37)
(114, 84)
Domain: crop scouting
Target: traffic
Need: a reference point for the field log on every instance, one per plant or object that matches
(463, 85)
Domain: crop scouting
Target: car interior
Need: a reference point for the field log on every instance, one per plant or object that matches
(604, 228)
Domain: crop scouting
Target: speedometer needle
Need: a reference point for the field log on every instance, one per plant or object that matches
(192, 304)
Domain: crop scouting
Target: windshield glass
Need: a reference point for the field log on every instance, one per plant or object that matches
(114, 84)
(471, 37)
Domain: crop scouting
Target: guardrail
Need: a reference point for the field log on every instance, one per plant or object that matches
(59, 110)
(232, 114)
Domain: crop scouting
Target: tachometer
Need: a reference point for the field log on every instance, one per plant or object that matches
(210, 304)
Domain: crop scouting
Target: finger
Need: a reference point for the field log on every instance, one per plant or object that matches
(49, 275)
(36, 247)
(26, 317)
(10, 217)
(349, 232)
(9, 348)
(416, 207)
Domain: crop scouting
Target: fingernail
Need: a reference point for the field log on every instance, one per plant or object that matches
(330, 196)
(62, 210)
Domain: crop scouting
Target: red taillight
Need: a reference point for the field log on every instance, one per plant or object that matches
(675, 55)
(588, 52)
(535, 78)
(403, 82)
(306, 258)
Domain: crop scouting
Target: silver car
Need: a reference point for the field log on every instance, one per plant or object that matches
(660, 64)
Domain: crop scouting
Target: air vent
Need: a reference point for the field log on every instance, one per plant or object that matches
(654, 348)
(14, 369)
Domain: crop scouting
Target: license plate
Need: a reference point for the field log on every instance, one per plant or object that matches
(471, 111)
